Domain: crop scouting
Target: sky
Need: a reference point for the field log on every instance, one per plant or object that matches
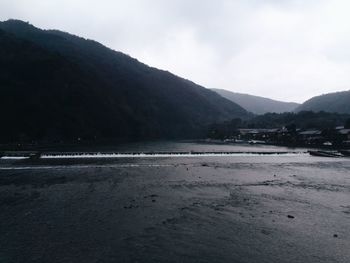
(289, 50)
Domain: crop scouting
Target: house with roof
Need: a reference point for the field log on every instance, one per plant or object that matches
(311, 136)
(344, 136)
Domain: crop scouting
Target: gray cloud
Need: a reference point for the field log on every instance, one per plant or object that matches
(289, 50)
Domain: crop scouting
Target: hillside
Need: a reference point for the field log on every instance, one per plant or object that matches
(333, 102)
(57, 86)
(256, 104)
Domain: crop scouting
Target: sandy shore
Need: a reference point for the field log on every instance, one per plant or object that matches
(212, 209)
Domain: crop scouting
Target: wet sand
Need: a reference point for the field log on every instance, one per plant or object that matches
(205, 209)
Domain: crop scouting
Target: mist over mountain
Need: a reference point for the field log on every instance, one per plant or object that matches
(332, 102)
(57, 86)
(256, 104)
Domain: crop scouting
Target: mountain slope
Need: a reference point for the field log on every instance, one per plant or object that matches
(58, 86)
(333, 102)
(256, 104)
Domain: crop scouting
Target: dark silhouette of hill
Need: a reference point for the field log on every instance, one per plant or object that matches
(304, 120)
(333, 102)
(57, 86)
(256, 104)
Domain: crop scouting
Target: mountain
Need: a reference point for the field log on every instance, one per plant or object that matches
(255, 104)
(333, 102)
(57, 86)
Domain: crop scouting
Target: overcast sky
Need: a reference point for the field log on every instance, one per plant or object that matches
(283, 49)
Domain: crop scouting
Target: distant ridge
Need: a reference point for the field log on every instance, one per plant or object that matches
(256, 104)
(338, 102)
(57, 86)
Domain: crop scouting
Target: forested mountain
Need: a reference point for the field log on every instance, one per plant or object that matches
(57, 86)
(333, 102)
(256, 104)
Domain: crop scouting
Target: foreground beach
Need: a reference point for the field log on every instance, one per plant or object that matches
(202, 209)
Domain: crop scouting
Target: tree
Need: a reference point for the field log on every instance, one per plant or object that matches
(291, 128)
(347, 124)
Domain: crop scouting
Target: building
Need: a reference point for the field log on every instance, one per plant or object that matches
(311, 137)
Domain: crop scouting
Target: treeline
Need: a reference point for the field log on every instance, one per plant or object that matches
(304, 120)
